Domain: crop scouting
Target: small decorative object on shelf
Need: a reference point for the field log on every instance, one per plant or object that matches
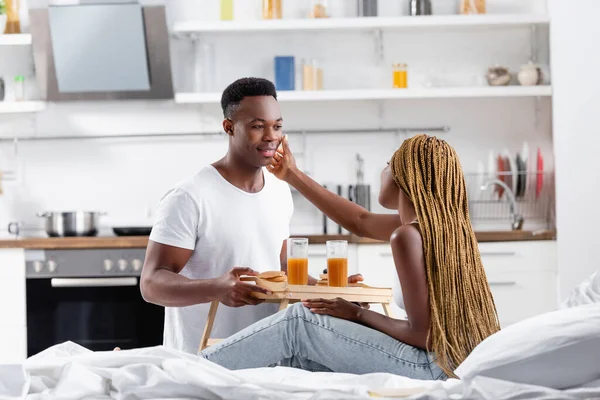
(271, 9)
(498, 76)
(419, 7)
(530, 75)
(472, 7)
(318, 9)
(400, 76)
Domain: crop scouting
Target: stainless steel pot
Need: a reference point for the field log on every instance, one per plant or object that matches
(72, 223)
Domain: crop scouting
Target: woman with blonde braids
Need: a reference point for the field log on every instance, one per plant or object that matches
(444, 289)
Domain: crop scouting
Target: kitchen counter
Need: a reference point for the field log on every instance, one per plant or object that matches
(114, 242)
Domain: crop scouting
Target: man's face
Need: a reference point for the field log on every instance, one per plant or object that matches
(256, 130)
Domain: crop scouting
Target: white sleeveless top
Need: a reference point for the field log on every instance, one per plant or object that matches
(397, 287)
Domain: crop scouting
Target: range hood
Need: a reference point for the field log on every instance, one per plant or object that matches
(101, 52)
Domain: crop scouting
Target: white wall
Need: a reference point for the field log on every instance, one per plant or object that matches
(575, 60)
(126, 178)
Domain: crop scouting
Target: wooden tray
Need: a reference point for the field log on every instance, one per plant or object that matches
(353, 292)
(285, 294)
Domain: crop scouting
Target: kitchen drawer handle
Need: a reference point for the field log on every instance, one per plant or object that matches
(92, 282)
(503, 283)
(498, 253)
(385, 253)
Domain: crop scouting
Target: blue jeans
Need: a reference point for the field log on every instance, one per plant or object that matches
(298, 338)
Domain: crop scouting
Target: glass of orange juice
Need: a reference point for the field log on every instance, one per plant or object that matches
(297, 261)
(337, 262)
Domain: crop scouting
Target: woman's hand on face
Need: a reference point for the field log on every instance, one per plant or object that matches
(337, 307)
(283, 162)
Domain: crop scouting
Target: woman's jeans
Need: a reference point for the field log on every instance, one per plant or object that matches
(298, 338)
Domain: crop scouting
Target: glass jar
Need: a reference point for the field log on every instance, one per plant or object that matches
(312, 75)
(13, 25)
(271, 9)
(318, 9)
(399, 76)
(472, 6)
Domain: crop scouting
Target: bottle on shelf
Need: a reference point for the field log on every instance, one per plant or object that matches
(13, 25)
(19, 88)
(227, 10)
(472, 7)
(399, 76)
(271, 9)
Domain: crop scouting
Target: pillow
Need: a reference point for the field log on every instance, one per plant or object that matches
(558, 350)
(587, 292)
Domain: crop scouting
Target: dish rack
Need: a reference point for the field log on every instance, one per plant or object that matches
(534, 199)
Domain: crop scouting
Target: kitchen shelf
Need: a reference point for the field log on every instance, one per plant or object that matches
(184, 28)
(11, 107)
(384, 94)
(20, 39)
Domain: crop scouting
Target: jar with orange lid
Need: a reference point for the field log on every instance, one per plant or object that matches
(399, 76)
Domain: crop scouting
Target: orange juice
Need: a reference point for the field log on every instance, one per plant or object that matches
(337, 272)
(400, 79)
(399, 76)
(297, 271)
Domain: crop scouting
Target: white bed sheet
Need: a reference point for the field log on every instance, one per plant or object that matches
(68, 371)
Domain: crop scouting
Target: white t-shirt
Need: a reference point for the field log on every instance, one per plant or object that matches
(226, 227)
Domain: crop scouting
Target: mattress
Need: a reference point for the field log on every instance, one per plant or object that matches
(69, 371)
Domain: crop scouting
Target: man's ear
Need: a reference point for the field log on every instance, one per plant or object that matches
(228, 127)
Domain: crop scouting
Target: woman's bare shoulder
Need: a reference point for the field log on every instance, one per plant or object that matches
(407, 236)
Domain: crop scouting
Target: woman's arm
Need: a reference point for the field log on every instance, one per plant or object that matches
(407, 248)
(349, 215)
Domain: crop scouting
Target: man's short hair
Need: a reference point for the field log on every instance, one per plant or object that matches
(245, 87)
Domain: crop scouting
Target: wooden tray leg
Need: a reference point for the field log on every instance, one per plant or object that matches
(387, 309)
(283, 304)
(212, 312)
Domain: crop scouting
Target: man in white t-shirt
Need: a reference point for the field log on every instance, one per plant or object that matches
(230, 219)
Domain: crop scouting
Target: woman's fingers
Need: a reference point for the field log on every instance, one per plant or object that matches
(322, 311)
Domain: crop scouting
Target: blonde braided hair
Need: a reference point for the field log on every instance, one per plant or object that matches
(462, 308)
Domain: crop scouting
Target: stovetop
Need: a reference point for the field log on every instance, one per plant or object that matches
(84, 263)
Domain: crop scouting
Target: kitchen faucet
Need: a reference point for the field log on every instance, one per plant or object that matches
(517, 219)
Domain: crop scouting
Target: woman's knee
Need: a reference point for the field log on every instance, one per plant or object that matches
(298, 310)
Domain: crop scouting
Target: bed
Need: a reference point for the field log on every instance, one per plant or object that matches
(69, 371)
(551, 356)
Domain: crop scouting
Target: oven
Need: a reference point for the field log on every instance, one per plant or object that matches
(91, 297)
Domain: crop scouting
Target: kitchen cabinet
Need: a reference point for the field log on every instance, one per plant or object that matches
(13, 315)
(522, 275)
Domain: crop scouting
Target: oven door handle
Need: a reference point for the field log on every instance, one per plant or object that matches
(92, 282)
